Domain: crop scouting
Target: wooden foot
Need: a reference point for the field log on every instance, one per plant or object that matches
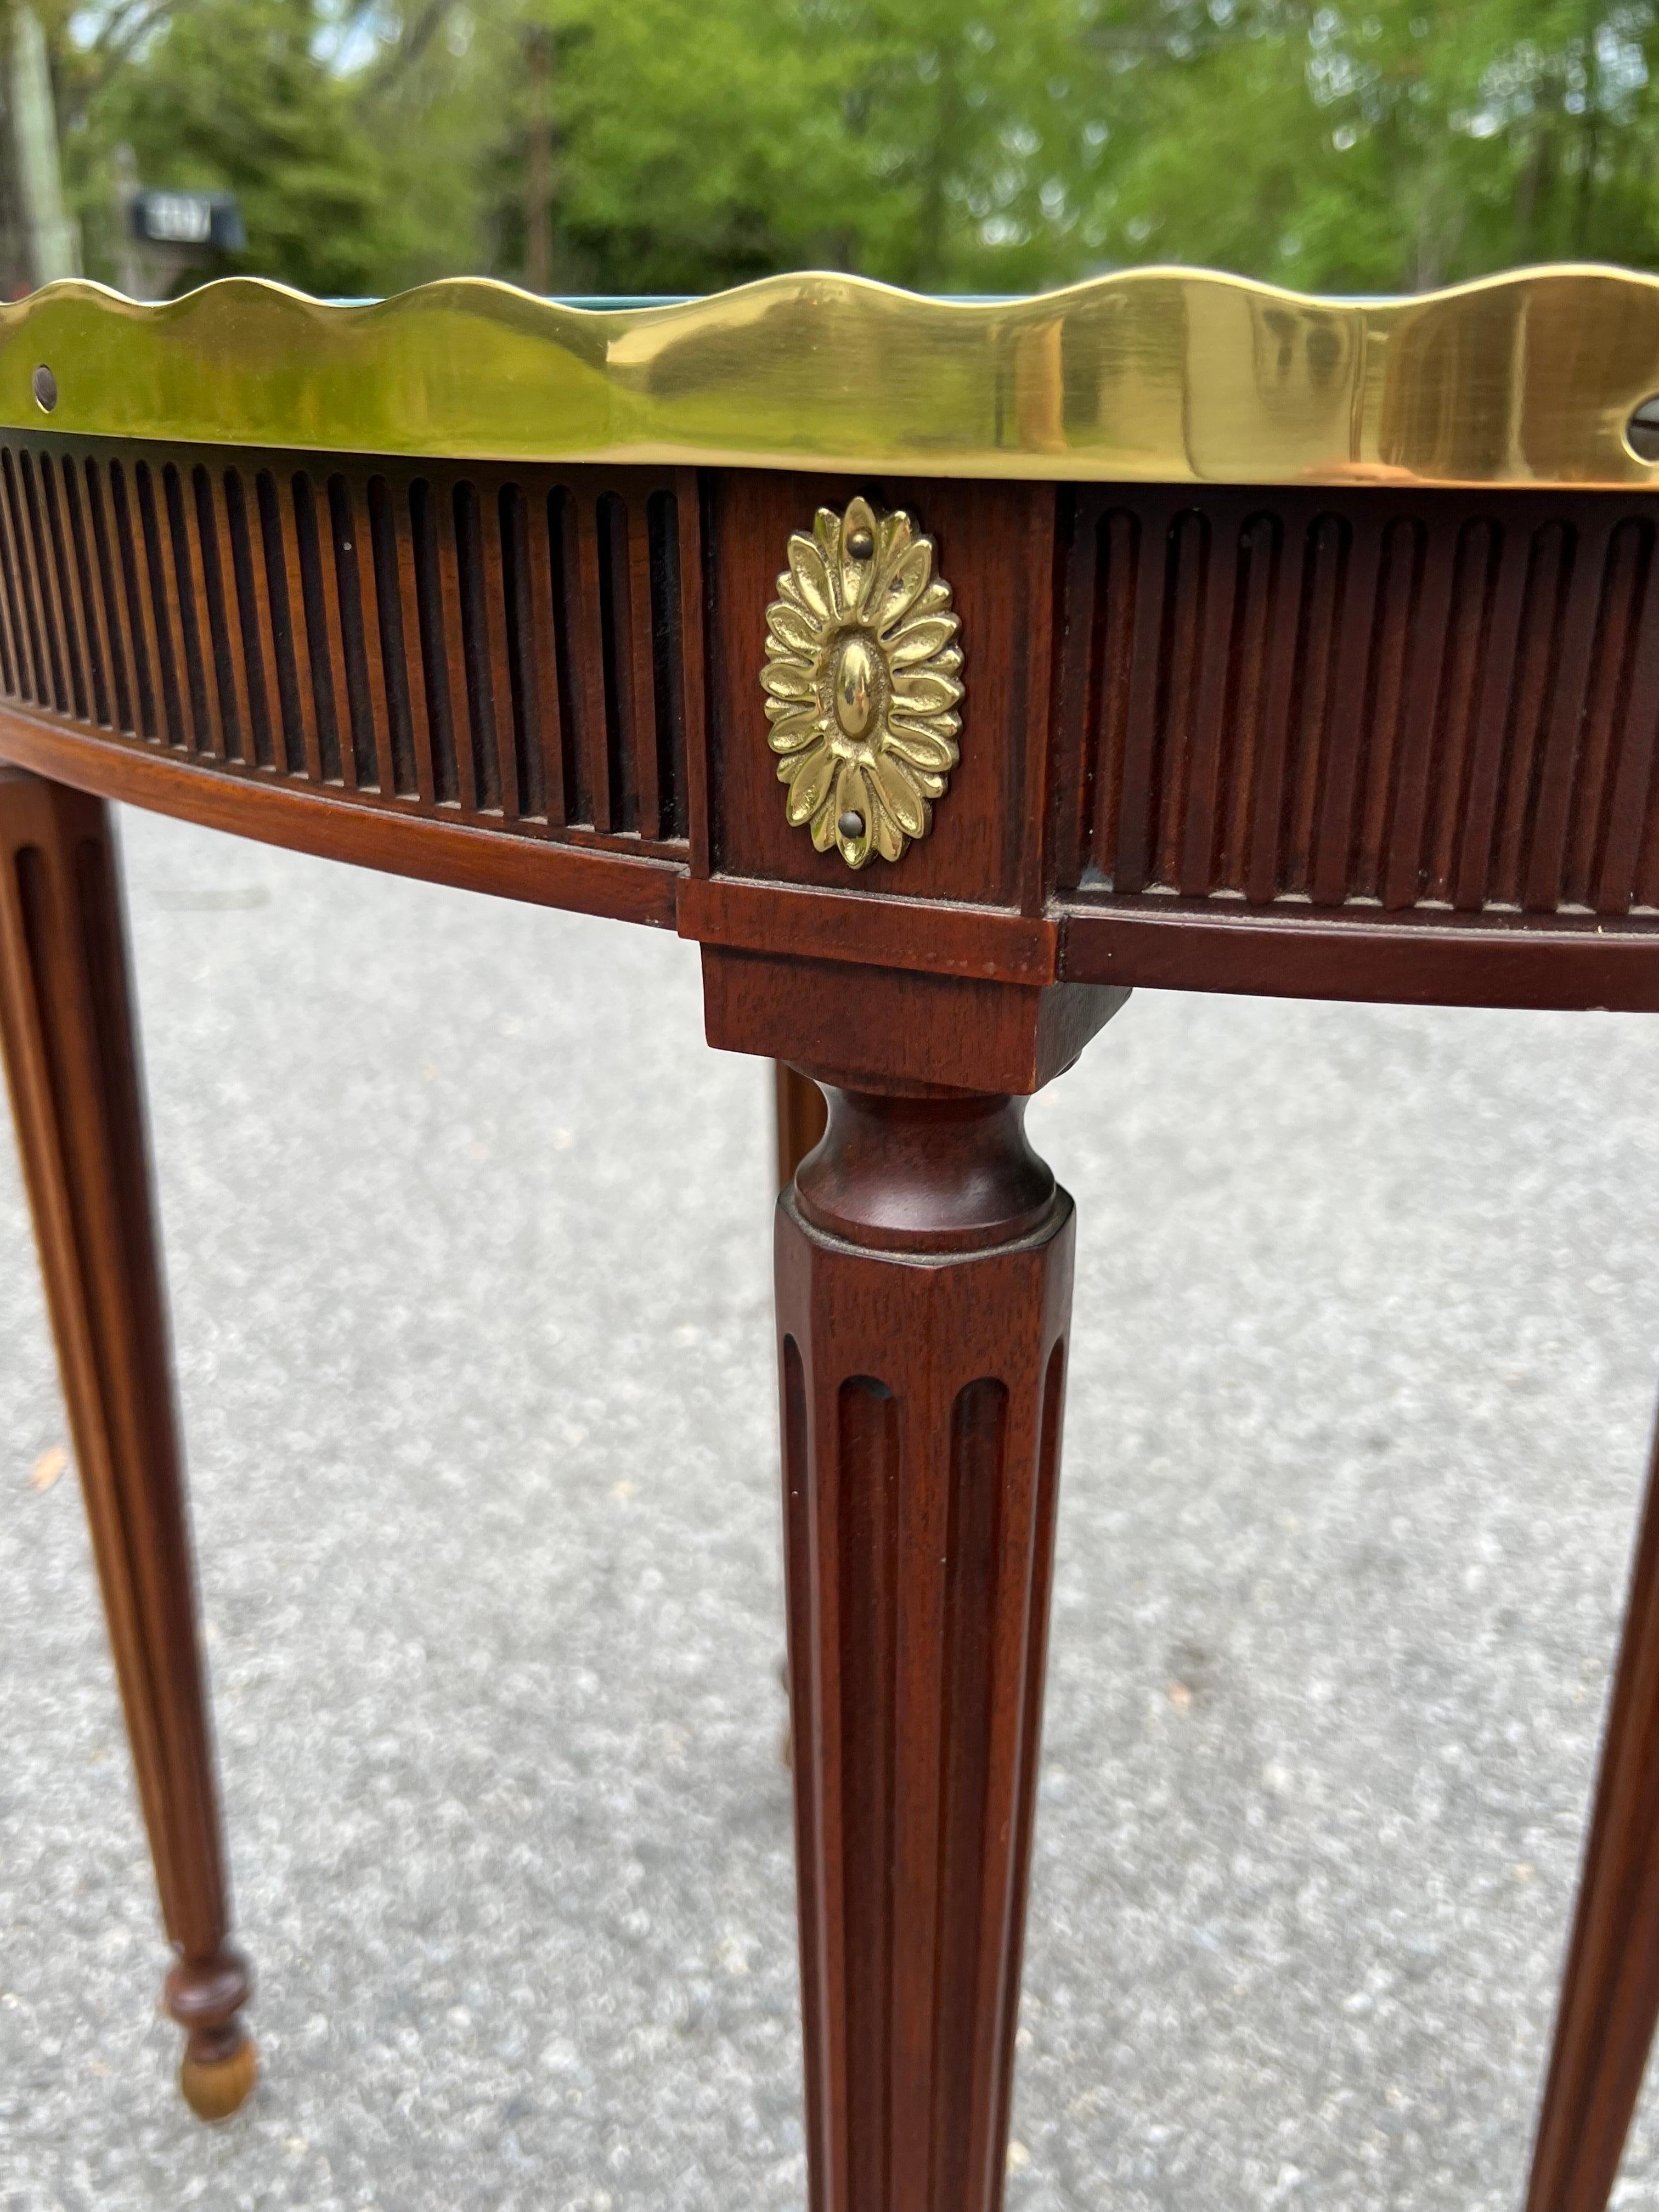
(219, 2065)
(924, 1264)
(1609, 1999)
(66, 1027)
(213, 2089)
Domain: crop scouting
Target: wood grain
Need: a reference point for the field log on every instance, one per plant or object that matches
(332, 622)
(800, 1116)
(1418, 959)
(1365, 742)
(897, 1025)
(435, 845)
(1204, 728)
(66, 1028)
(1380, 698)
(1609, 2001)
(995, 547)
(924, 1264)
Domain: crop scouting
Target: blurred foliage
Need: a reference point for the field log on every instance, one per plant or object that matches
(989, 147)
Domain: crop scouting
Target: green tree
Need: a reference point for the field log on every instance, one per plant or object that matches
(1003, 145)
(232, 94)
(1400, 144)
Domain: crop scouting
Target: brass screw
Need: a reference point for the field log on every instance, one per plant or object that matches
(861, 544)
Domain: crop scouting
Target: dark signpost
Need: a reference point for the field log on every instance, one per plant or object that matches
(206, 220)
(163, 232)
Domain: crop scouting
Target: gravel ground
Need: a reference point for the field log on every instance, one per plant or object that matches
(468, 1234)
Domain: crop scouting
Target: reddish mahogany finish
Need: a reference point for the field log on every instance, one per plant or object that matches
(1362, 742)
(1610, 1992)
(1357, 742)
(66, 1021)
(924, 1266)
(802, 1119)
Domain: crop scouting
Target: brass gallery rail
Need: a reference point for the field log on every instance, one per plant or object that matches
(1169, 631)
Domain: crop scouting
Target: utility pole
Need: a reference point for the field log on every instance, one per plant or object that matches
(52, 245)
(538, 161)
(130, 276)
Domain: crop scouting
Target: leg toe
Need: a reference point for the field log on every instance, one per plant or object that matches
(216, 2088)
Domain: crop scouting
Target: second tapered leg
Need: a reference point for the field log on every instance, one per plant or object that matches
(1609, 1999)
(924, 1267)
(66, 1026)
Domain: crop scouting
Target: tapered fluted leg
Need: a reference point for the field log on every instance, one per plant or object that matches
(1610, 1992)
(924, 1266)
(66, 1023)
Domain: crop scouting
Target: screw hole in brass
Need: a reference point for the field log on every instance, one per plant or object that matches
(1642, 431)
(45, 389)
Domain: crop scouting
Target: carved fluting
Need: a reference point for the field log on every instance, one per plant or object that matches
(66, 1026)
(922, 1374)
(509, 647)
(1379, 704)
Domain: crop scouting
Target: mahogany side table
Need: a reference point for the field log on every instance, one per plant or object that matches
(945, 669)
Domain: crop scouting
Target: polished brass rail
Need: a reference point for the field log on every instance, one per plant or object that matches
(1152, 375)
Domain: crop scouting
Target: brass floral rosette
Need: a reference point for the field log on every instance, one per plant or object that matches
(863, 683)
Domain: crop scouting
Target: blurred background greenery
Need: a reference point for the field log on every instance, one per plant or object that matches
(966, 145)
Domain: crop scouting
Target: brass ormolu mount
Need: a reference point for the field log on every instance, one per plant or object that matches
(863, 683)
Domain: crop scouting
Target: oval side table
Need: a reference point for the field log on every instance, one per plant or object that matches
(944, 669)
